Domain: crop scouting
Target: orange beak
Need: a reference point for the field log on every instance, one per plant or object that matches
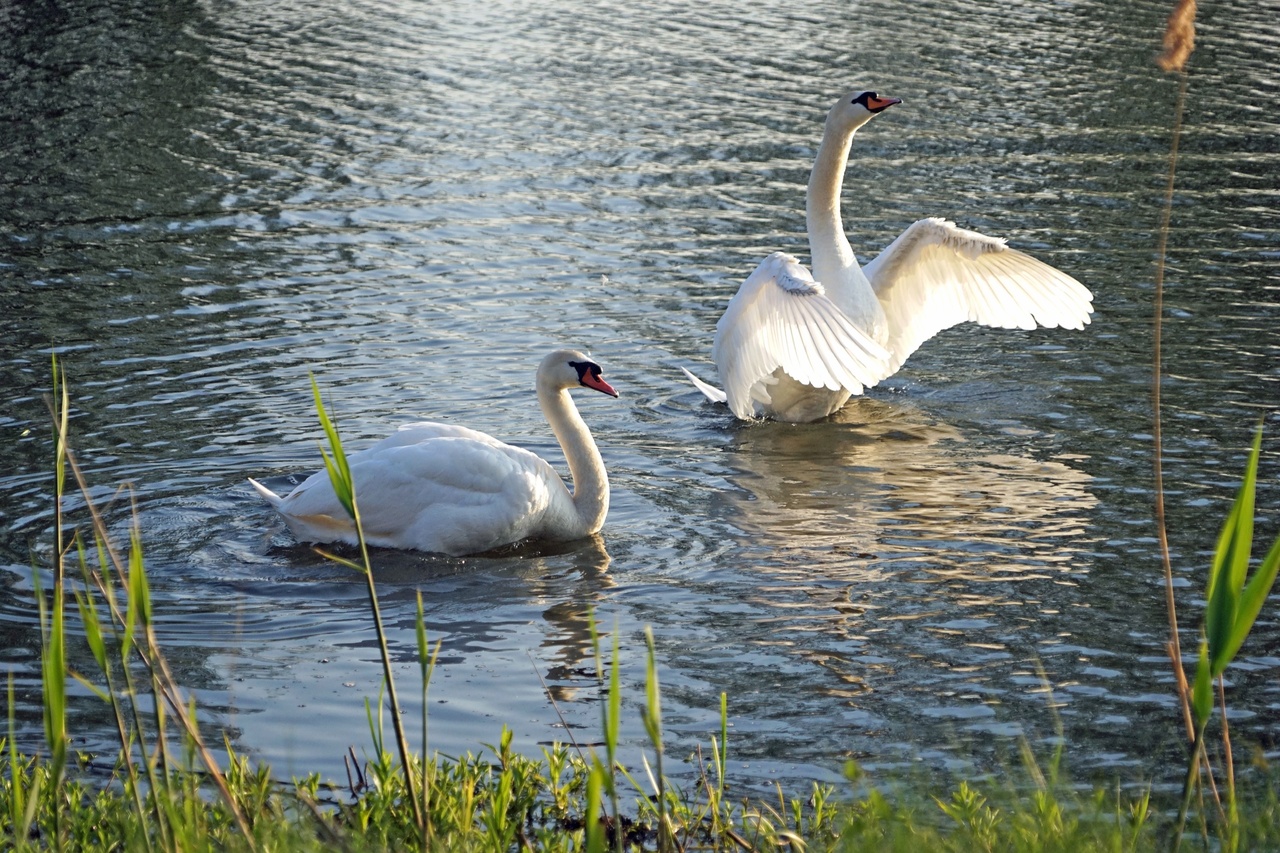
(598, 384)
(877, 104)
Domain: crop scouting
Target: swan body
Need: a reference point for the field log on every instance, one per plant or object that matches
(453, 490)
(796, 346)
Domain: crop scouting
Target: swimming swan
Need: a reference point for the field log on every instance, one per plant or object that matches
(793, 348)
(449, 489)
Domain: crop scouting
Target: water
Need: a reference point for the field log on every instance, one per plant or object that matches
(202, 204)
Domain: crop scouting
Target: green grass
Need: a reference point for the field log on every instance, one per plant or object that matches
(504, 801)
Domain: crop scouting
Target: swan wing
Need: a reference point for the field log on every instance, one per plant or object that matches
(936, 275)
(782, 318)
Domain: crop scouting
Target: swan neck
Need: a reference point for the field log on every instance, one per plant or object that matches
(828, 246)
(586, 466)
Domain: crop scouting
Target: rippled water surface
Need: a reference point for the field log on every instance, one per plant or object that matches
(203, 202)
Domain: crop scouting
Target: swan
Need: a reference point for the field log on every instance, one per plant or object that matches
(448, 489)
(794, 345)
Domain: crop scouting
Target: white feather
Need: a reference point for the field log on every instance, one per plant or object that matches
(782, 319)
(935, 276)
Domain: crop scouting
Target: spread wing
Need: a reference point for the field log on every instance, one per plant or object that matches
(782, 318)
(936, 275)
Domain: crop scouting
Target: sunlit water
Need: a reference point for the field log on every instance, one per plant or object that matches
(203, 203)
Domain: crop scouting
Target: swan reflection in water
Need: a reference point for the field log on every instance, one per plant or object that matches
(563, 581)
(510, 622)
(903, 559)
(569, 585)
(884, 488)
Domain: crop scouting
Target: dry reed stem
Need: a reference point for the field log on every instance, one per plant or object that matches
(1174, 646)
(1179, 42)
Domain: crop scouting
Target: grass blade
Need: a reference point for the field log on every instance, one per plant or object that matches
(722, 755)
(652, 718)
(1254, 596)
(427, 658)
(1202, 691)
(594, 831)
(1235, 610)
(344, 487)
(339, 471)
(92, 628)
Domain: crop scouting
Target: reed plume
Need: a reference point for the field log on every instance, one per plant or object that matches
(1179, 36)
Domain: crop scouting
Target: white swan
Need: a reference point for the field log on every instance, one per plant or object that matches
(449, 489)
(795, 349)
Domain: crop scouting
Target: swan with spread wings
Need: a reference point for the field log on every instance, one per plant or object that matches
(795, 346)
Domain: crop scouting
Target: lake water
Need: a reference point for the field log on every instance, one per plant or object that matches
(201, 203)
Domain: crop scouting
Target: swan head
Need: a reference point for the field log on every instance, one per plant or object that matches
(568, 368)
(856, 109)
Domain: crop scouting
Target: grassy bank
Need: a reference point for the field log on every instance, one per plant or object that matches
(507, 803)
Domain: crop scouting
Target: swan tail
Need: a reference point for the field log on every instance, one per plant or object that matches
(267, 495)
(712, 393)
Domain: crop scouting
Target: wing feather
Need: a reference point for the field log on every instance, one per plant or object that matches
(936, 275)
(782, 318)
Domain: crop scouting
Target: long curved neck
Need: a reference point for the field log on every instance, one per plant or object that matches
(829, 248)
(586, 467)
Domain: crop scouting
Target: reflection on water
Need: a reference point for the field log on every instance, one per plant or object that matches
(882, 473)
(202, 204)
(909, 566)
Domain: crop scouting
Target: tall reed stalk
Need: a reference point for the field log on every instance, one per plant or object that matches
(1179, 41)
(345, 488)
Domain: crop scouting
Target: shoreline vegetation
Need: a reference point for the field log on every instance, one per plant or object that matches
(166, 789)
